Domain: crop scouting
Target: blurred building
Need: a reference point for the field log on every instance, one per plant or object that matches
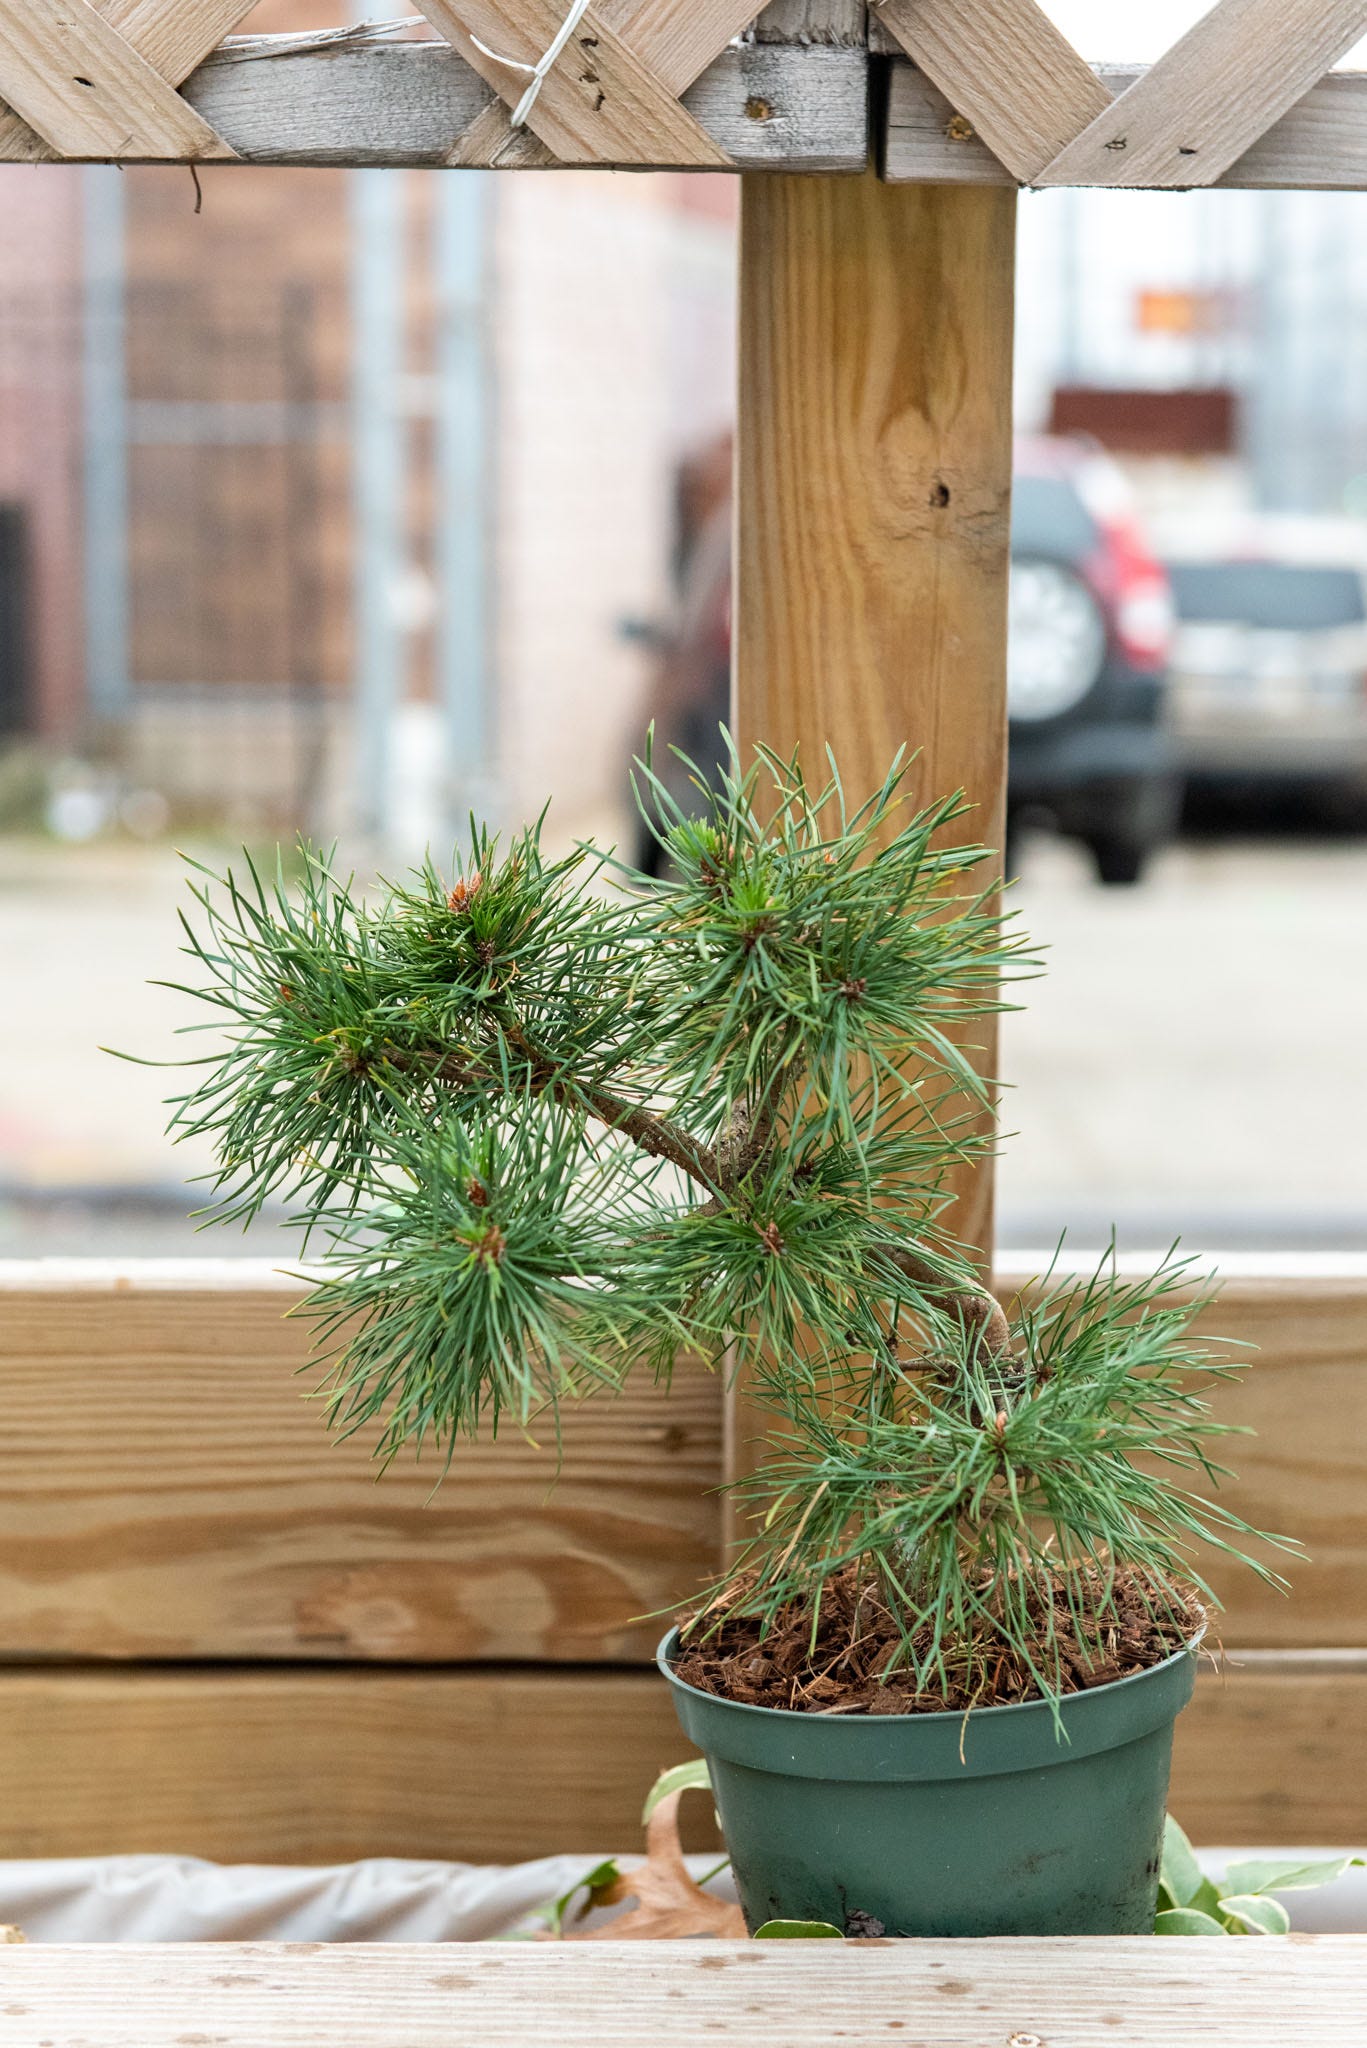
(1212, 339)
(324, 496)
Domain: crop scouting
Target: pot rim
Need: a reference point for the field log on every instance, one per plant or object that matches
(940, 1717)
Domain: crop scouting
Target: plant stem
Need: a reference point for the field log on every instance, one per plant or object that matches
(654, 1134)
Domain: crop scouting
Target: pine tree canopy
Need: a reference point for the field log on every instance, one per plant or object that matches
(552, 1122)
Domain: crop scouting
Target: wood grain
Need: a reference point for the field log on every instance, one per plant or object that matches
(70, 75)
(873, 490)
(1005, 68)
(196, 1508)
(841, 23)
(678, 43)
(172, 39)
(1221, 85)
(167, 1491)
(320, 1766)
(1320, 144)
(952, 1994)
(327, 1766)
(1270, 1750)
(401, 105)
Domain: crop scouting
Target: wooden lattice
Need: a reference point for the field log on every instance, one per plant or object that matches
(1047, 116)
(83, 80)
(1242, 98)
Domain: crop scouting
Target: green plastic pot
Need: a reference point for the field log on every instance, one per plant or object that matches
(948, 1824)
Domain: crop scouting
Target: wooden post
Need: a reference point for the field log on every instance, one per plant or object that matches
(873, 495)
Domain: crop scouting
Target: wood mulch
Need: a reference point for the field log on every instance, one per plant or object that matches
(854, 1664)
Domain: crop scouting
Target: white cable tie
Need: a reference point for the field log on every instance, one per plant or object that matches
(540, 71)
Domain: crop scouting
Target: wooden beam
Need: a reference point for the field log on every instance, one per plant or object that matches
(1320, 144)
(324, 1765)
(401, 104)
(873, 492)
(957, 1994)
(840, 22)
(329, 1766)
(1270, 1750)
(250, 1535)
(167, 1491)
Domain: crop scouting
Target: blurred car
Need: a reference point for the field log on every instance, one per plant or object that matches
(1269, 684)
(1090, 631)
(1087, 654)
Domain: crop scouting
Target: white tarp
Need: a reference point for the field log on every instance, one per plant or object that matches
(179, 1898)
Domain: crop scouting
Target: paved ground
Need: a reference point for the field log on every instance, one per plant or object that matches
(1194, 1060)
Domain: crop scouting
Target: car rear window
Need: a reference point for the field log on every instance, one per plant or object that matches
(1281, 596)
(1049, 518)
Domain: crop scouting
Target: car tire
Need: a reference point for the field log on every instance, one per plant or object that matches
(1120, 862)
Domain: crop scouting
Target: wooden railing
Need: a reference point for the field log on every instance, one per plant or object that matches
(222, 1634)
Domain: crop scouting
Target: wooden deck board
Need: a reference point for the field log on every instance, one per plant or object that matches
(969, 1994)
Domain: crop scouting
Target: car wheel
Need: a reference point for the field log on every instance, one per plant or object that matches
(1120, 863)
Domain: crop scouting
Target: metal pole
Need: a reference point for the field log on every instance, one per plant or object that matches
(464, 511)
(108, 685)
(378, 472)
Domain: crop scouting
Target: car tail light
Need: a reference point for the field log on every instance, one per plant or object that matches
(1124, 571)
(1145, 622)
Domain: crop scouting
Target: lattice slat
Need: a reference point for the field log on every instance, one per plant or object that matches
(1006, 68)
(1210, 98)
(599, 104)
(1020, 86)
(613, 96)
(86, 87)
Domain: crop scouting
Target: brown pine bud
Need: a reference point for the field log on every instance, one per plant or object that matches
(459, 898)
(476, 1194)
(490, 1246)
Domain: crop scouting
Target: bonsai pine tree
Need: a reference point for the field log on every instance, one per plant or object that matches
(552, 1123)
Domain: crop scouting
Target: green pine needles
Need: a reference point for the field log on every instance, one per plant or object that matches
(553, 1122)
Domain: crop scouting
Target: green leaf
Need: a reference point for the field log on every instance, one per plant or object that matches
(798, 1930)
(689, 1777)
(1181, 1876)
(1185, 1920)
(594, 1882)
(1265, 1876)
(1255, 1915)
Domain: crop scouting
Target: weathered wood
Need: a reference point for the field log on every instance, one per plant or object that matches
(1221, 85)
(402, 105)
(678, 43)
(1006, 69)
(874, 475)
(326, 1766)
(166, 1491)
(843, 23)
(953, 1994)
(173, 40)
(1319, 145)
(75, 80)
(601, 103)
